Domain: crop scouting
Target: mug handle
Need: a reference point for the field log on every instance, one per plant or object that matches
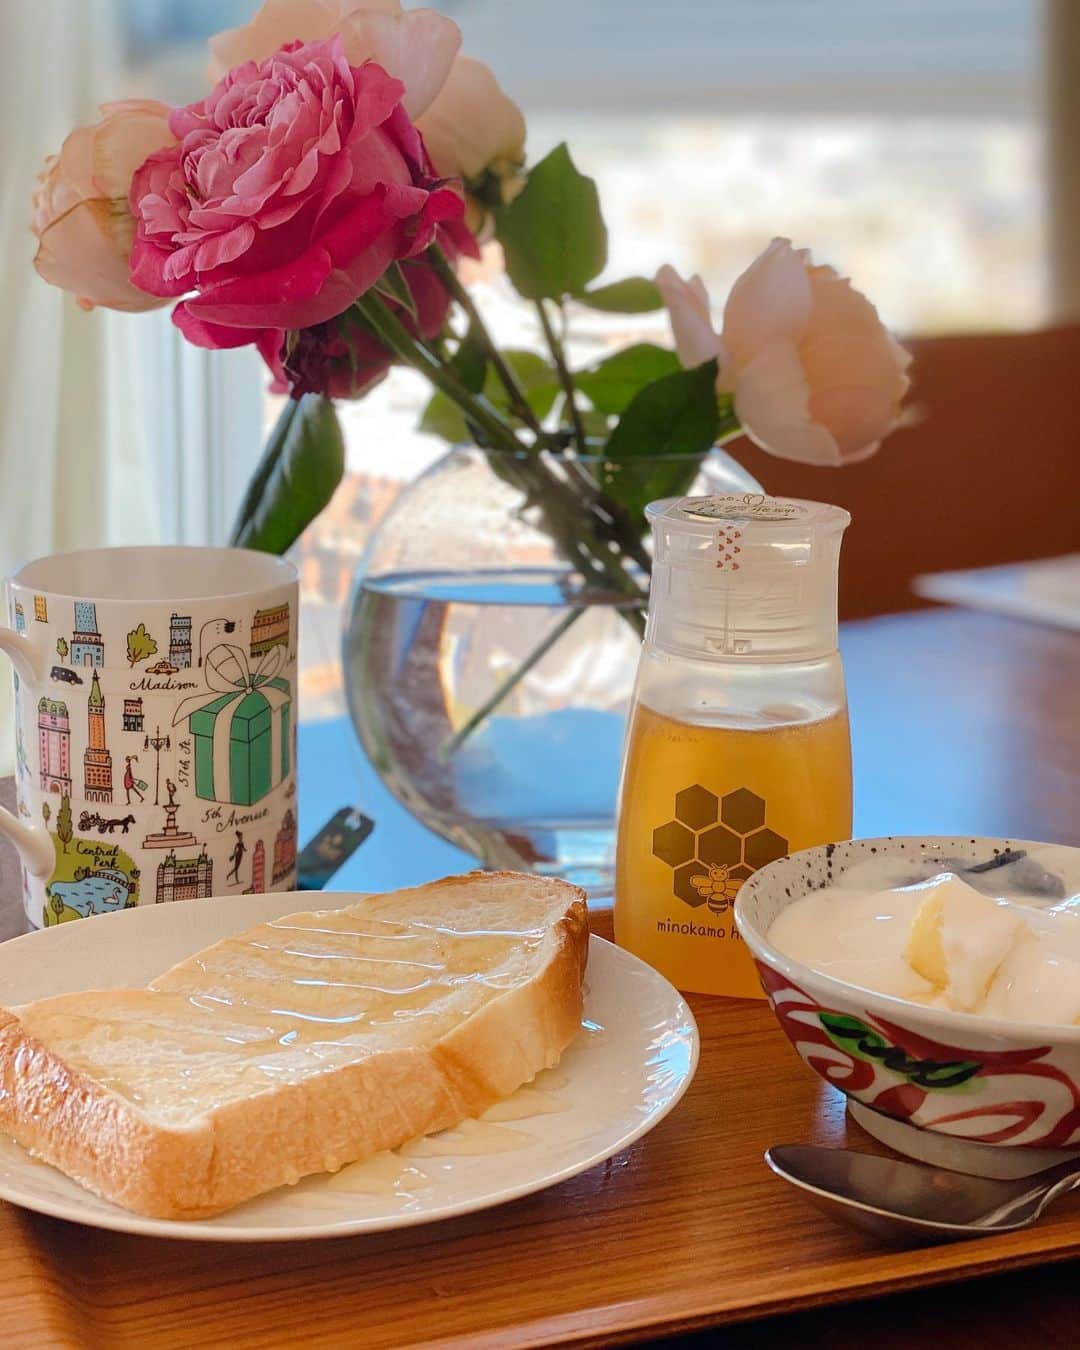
(34, 845)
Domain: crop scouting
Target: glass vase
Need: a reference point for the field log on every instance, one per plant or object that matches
(489, 660)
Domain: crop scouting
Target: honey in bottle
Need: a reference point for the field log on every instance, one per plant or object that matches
(737, 749)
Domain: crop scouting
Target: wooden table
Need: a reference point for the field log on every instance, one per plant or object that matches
(969, 721)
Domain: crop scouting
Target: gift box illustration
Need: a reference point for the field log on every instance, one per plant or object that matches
(241, 726)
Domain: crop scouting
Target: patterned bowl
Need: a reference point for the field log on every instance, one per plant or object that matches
(962, 1076)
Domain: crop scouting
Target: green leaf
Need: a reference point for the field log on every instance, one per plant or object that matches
(302, 464)
(537, 377)
(538, 380)
(611, 385)
(443, 418)
(631, 484)
(393, 286)
(661, 440)
(596, 424)
(675, 415)
(633, 295)
(470, 360)
(553, 233)
(729, 418)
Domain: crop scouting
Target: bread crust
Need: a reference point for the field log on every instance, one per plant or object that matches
(254, 1144)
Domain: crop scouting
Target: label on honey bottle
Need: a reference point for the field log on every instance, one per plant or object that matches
(703, 807)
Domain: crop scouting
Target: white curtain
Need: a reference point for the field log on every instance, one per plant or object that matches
(73, 467)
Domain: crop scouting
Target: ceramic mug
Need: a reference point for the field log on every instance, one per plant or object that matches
(155, 720)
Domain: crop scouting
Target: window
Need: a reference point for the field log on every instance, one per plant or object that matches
(901, 139)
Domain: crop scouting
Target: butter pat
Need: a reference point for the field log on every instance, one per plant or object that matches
(959, 939)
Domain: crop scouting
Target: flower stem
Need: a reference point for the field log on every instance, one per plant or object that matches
(563, 507)
(502, 691)
(568, 517)
(558, 355)
(389, 328)
(571, 517)
(518, 399)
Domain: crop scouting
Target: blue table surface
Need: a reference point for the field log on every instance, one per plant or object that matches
(927, 755)
(334, 772)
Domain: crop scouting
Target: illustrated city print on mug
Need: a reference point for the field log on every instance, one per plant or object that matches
(160, 755)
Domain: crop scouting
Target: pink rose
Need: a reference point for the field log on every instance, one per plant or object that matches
(815, 374)
(472, 130)
(81, 217)
(294, 185)
(341, 359)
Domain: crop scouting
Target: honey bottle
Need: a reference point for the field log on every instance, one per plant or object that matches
(737, 749)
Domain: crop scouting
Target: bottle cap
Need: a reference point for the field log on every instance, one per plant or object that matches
(744, 576)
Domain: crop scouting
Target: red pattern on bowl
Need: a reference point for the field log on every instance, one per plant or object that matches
(966, 1076)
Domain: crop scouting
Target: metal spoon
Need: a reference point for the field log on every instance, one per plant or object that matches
(910, 1203)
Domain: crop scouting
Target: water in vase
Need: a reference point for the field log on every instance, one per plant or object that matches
(520, 768)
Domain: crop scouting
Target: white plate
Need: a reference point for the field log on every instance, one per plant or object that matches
(632, 1061)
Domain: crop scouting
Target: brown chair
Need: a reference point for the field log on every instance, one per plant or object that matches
(990, 473)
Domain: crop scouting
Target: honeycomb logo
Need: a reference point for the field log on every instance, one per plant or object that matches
(714, 844)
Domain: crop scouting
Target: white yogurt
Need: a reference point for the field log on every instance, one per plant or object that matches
(1014, 956)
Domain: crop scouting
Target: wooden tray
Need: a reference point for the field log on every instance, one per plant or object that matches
(686, 1229)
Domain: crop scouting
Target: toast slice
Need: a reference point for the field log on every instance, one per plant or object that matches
(299, 1045)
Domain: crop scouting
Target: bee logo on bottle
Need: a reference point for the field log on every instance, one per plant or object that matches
(718, 887)
(714, 843)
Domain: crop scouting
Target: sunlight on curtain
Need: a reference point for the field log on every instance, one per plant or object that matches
(72, 471)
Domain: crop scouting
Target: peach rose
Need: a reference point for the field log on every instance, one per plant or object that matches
(471, 128)
(815, 374)
(475, 133)
(81, 218)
